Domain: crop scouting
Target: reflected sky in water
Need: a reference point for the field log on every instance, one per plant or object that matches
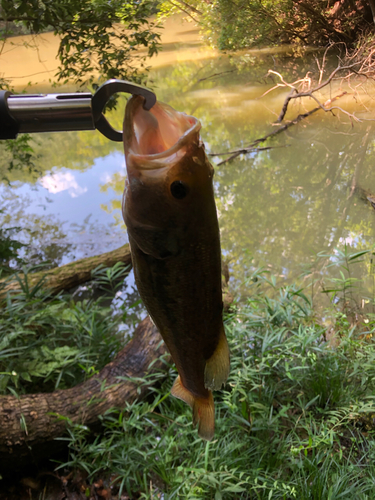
(73, 195)
(278, 208)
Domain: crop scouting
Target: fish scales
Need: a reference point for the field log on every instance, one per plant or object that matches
(170, 214)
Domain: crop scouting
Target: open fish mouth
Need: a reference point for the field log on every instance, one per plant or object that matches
(159, 134)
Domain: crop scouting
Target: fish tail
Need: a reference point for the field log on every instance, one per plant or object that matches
(204, 416)
(203, 409)
(217, 366)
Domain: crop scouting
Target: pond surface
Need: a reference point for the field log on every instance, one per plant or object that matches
(277, 208)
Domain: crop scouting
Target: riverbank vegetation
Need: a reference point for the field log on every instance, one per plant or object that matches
(295, 419)
(103, 39)
(100, 38)
(242, 24)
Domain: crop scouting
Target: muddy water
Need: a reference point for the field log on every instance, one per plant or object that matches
(32, 59)
(287, 208)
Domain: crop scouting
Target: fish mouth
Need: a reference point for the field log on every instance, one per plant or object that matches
(159, 136)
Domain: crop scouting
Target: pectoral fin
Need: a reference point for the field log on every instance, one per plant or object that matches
(159, 243)
(203, 409)
(217, 367)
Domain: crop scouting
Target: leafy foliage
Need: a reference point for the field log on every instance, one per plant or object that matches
(48, 343)
(233, 25)
(99, 40)
(19, 155)
(8, 248)
(294, 420)
(97, 37)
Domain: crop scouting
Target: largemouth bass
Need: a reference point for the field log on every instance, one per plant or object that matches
(170, 214)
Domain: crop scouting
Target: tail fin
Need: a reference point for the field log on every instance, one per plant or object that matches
(203, 409)
(217, 367)
(204, 416)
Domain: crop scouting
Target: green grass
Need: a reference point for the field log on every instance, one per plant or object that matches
(294, 421)
(49, 343)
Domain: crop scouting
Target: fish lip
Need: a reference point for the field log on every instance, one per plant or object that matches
(170, 155)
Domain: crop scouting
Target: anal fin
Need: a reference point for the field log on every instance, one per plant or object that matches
(217, 367)
(180, 392)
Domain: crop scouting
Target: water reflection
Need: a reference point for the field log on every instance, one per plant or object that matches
(61, 226)
(124, 301)
(277, 208)
(288, 204)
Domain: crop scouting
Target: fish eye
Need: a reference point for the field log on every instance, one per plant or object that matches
(179, 190)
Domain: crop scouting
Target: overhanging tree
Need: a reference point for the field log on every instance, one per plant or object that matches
(236, 24)
(98, 38)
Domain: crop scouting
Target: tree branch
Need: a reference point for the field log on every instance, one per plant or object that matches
(183, 10)
(190, 7)
(284, 127)
(360, 63)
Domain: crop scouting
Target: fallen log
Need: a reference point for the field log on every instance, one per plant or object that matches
(29, 425)
(69, 275)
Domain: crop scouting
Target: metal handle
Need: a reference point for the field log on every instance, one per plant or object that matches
(64, 112)
(51, 112)
(107, 90)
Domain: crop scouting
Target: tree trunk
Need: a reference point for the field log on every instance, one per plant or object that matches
(29, 424)
(68, 276)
